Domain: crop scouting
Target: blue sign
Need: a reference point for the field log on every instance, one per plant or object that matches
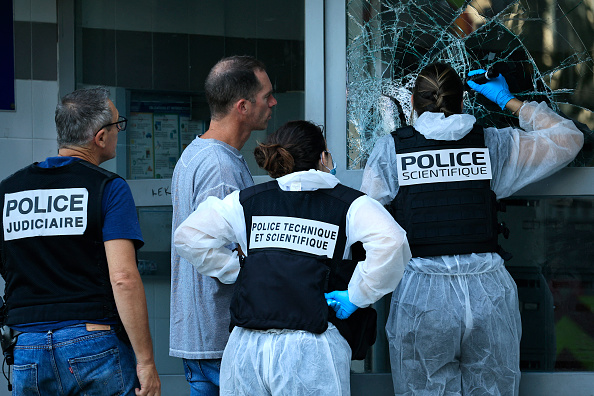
(7, 101)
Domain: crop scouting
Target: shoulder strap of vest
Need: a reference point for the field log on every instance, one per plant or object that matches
(407, 139)
(343, 193)
(476, 136)
(99, 169)
(108, 177)
(404, 132)
(256, 189)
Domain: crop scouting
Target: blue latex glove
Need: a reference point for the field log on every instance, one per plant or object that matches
(335, 305)
(339, 301)
(496, 89)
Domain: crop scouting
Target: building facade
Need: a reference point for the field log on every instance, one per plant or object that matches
(332, 62)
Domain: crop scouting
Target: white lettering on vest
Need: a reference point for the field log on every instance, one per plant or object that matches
(49, 212)
(302, 235)
(446, 165)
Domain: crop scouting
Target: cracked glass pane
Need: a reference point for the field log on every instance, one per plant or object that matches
(542, 47)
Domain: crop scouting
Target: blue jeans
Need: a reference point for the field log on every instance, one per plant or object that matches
(203, 376)
(74, 361)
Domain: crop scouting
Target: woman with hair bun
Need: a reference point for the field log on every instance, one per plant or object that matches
(297, 288)
(454, 325)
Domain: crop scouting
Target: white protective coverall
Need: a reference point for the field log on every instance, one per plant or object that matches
(454, 325)
(293, 362)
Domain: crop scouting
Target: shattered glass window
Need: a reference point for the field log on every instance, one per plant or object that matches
(544, 50)
(542, 47)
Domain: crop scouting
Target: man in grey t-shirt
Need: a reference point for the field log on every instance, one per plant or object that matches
(239, 95)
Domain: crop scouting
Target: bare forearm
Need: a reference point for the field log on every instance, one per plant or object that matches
(514, 106)
(130, 300)
(128, 293)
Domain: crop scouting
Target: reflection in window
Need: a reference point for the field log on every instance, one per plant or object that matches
(552, 241)
(158, 54)
(542, 46)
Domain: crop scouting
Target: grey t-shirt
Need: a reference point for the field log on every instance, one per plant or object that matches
(199, 321)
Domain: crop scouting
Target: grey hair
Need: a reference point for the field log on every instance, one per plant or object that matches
(230, 80)
(80, 114)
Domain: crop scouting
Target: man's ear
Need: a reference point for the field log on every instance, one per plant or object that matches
(242, 106)
(99, 138)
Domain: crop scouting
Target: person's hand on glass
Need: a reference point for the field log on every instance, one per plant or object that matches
(495, 89)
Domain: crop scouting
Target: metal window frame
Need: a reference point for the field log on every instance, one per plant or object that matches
(568, 182)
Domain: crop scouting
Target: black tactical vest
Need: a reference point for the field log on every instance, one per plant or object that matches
(445, 218)
(53, 256)
(282, 281)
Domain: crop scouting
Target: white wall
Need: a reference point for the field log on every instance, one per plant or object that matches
(28, 133)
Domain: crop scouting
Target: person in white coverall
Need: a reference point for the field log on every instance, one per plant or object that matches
(454, 324)
(292, 230)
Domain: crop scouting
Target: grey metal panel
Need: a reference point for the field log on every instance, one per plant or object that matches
(566, 182)
(44, 56)
(314, 65)
(557, 384)
(22, 50)
(335, 71)
(531, 384)
(66, 24)
(174, 385)
(371, 384)
(120, 100)
(335, 83)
